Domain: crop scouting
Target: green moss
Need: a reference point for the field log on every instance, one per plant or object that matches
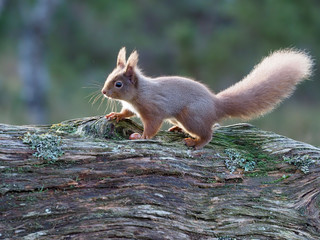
(211, 180)
(104, 129)
(277, 180)
(46, 146)
(245, 153)
(112, 133)
(318, 202)
(221, 139)
(62, 127)
(257, 174)
(15, 170)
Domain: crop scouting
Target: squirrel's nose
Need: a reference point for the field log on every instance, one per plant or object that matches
(104, 91)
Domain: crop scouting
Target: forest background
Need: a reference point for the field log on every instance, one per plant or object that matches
(55, 53)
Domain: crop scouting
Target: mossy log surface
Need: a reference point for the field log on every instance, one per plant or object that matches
(82, 179)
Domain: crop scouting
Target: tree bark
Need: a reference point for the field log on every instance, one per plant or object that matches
(82, 179)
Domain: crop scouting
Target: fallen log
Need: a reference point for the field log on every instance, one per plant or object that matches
(82, 179)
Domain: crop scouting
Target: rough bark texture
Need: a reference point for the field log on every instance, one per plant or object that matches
(81, 179)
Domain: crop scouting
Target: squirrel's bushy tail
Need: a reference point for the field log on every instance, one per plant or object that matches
(271, 81)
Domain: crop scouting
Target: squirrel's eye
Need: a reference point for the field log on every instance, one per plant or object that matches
(118, 84)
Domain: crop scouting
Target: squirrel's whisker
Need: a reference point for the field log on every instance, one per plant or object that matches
(92, 95)
(101, 101)
(96, 98)
(92, 98)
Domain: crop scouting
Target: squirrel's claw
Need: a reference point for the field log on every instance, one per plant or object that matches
(114, 116)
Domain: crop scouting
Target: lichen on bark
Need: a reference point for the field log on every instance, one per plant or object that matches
(46, 146)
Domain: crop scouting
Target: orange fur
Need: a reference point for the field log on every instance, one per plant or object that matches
(175, 129)
(271, 81)
(191, 106)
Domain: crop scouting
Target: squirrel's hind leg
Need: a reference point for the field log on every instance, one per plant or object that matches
(197, 125)
(202, 134)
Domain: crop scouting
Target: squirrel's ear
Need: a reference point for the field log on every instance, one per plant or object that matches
(131, 64)
(121, 61)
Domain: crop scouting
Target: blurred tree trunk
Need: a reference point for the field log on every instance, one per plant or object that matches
(36, 18)
(2, 5)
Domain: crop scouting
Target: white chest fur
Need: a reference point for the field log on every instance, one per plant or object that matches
(129, 106)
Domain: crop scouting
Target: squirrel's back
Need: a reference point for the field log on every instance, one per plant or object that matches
(174, 93)
(271, 81)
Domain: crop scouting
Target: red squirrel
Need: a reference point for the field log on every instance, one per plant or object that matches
(190, 106)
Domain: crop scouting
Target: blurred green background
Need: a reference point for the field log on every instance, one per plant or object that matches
(55, 53)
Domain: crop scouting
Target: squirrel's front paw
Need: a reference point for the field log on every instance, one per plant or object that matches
(116, 116)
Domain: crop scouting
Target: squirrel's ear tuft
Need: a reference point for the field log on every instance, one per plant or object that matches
(133, 59)
(131, 64)
(121, 61)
